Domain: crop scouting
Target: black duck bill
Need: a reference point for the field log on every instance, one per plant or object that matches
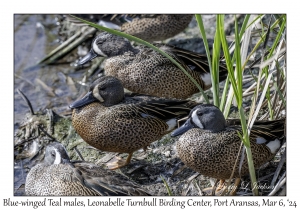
(88, 57)
(87, 99)
(184, 128)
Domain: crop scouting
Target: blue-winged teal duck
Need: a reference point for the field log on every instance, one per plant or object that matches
(143, 70)
(210, 147)
(156, 27)
(110, 120)
(58, 176)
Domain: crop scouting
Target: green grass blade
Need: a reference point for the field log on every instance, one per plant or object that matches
(167, 186)
(203, 34)
(246, 142)
(259, 17)
(227, 98)
(238, 67)
(244, 26)
(224, 98)
(215, 67)
(205, 42)
(231, 76)
(246, 139)
(220, 19)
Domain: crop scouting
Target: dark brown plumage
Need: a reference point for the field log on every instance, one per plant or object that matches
(111, 121)
(143, 70)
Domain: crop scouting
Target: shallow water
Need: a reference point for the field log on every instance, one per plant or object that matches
(46, 87)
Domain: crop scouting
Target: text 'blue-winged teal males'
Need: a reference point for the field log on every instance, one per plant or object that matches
(57, 176)
(110, 120)
(210, 147)
(143, 70)
(149, 27)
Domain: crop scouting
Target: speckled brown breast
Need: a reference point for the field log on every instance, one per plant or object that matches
(150, 73)
(159, 28)
(214, 154)
(119, 128)
(54, 180)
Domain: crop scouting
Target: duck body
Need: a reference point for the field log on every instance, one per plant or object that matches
(111, 121)
(149, 72)
(149, 27)
(119, 128)
(214, 154)
(57, 176)
(143, 70)
(157, 27)
(211, 149)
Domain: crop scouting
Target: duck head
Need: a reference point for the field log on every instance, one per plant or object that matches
(107, 90)
(56, 154)
(107, 45)
(204, 116)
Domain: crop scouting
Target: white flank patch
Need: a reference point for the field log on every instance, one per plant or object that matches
(172, 124)
(206, 79)
(196, 120)
(260, 140)
(57, 157)
(109, 25)
(274, 145)
(97, 50)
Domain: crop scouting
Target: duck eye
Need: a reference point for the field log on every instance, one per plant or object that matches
(99, 42)
(53, 154)
(200, 114)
